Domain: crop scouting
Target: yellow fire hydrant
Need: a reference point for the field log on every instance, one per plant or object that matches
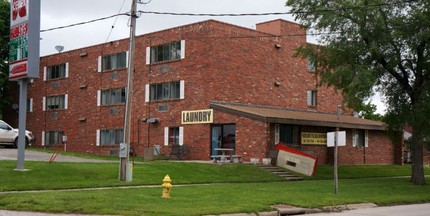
(166, 187)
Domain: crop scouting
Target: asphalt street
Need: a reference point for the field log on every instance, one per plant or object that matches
(401, 210)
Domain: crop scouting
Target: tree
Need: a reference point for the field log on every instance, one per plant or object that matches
(4, 53)
(375, 44)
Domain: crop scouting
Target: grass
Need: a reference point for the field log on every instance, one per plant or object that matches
(83, 175)
(238, 188)
(219, 198)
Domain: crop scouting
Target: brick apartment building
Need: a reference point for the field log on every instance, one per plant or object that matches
(199, 86)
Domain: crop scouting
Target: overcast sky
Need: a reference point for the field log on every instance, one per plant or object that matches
(56, 13)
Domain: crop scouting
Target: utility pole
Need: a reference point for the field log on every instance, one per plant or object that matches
(336, 137)
(125, 173)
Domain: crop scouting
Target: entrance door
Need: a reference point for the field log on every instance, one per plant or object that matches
(223, 136)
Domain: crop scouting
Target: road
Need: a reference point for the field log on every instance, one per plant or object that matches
(401, 210)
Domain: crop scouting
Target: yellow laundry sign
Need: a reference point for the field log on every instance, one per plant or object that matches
(197, 116)
(309, 138)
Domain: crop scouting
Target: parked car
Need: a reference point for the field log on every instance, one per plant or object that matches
(9, 135)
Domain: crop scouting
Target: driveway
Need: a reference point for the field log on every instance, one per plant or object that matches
(12, 154)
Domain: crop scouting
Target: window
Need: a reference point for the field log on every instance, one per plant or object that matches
(53, 138)
(110, 137)
(166, 91)
(311, 65)
(359, 138)
(111, 96)
(165, 52)
(287, 134)
(312, 98)
(112, 62)
(30, 105)
(55, 102)
(173, 136)
(56, 71)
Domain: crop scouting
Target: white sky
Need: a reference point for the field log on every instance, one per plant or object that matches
(55, 13)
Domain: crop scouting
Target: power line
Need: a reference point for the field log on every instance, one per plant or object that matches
(114, 22)
(83, 23)
(232, 15)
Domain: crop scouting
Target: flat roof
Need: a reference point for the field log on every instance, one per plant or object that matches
(279, 115)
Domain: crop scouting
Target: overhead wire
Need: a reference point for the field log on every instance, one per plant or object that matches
(225, 15)
(83, 23)
(114, 22)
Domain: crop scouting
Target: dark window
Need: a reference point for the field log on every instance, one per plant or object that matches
(114, 61)
(113, 96)
(289, 134)
(55, 102)
(165, 91)
(53, 137)
(111, 137)
(311, 98)
(359, 138)
(56, 71)
(311, 65)
(166, 52)
(173, 135)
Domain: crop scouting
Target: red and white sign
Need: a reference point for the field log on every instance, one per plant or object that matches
(295, 160)
(24, 39)
(18, 12)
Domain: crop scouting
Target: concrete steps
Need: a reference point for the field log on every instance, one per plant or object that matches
(282, 173)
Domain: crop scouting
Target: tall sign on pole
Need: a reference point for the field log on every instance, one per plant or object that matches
(23, 58)
(24, 39)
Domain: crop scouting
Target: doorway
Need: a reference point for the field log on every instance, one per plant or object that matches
(223, 136)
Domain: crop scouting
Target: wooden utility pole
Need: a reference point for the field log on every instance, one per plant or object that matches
(125, 173)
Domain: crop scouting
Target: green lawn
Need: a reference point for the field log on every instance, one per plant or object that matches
(238, 188)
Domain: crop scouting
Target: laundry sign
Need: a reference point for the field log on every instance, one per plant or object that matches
(197, 116)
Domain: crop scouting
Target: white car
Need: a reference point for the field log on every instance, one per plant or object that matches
(9, 135)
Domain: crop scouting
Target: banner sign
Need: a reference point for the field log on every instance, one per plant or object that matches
(309, 138)
(24, 39)
(197, 116)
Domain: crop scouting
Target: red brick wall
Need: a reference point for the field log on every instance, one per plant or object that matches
(222, 63)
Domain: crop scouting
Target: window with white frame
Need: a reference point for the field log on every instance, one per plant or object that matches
(165, 52)
(360, 138)
(30, 105)
(56, 71)
(165, 91)
(111, 96)
(311, 64)
(112, 61)
(173, 136)
(311, 99)
(110, 136)
(56, 102)
(53, 138)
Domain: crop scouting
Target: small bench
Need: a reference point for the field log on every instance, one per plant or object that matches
(221, 158)
(236, 158)
(227, 158)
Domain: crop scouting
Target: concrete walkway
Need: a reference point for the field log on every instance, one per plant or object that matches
(12, 154)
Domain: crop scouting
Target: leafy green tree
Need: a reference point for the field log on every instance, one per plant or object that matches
(382, 44)
(4, 53)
